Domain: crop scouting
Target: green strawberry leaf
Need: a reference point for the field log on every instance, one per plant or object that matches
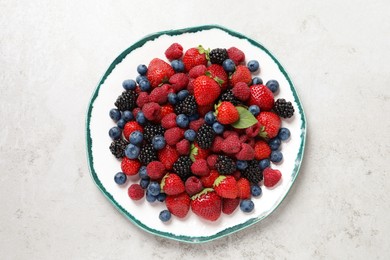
(246, 119)
(219, 81)
(194, 151)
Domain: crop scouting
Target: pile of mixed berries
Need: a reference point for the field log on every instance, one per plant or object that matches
(199, 132)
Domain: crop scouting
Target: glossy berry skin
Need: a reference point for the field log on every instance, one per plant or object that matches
(142, 173)
(242, 165)
(218, 128)
(228, 65)
(115, 114)
(115, 133)
(165, 215)
(121, 123)
(144, 183)
(264, 164)
(154, 188)
(193, 117)
(132, 151)
(257, 81)
(254, 109)
(209, 118)
(276, 156)
(140, 118)
(127, 116)
(190, 135)
(149, 197)
(247, 205)
(144, 85)
(172, 98)
(182, 121)
(139, 78)
(161, 197)
(273, 85)
(182, 94)
(227, 113)
(274, 143)
(256, 190)
(158, 142)
(177, 65)
(120, 178)
(136, 138)
(129, 84)
(284, 134)
(142, 69)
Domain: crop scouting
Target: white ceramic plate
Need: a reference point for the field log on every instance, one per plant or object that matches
(103, 165)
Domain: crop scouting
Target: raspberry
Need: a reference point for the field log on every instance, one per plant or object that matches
(183, 147)
(179, 81)
(217, 144)
(169, 121)
(143, 98)
(174, 135)
(241, 91)
(193, 185)
(151, 110)
(200, 168)
(271, 177)
(253, 130)
(155, 170)
(174, 52)
(231, 145)
(130, 166)
(159, 95)
(196, 124)
(197, 71)
(236, 55)
(228, 133)
(135, 192)
(246, 152)
(212, 160)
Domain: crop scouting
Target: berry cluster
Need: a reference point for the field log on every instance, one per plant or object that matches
(200, 132)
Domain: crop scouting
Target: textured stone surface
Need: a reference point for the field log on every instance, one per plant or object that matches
(52, 55)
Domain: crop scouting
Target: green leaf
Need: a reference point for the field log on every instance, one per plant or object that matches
(246, 119)
(194, 152)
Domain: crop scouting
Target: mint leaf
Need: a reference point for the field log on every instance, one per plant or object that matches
(246, 119)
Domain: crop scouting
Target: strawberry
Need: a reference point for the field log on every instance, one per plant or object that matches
(194, 57)
(206, 90)
(244, 188)
(179, 204)
(262, 97)
(172, 184)
(159, 72)
(226, 113)
(200, 168)
(208, 180)
(262, 150)
(207, 204)
(241, 74)
(168, 156)
(229, 205)
(271, 177)
(166, 109)
(130, 127)
(219, 74)
(130, 166)
(174, 52)
(226, 186)
(198, 153)
(236, 55)
(270, 124)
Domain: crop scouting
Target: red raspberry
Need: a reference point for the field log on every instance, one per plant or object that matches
(142, 99)
(248, 140)
(167, 88)
(183, 147)
(246, 153)
(135, 192)
(196, 124)
(135, 111)
(216, 147)
(271, 177)
(179, 81)
(241, 91)
(231, 145)
(228, 133)
(174, 52)
(190, 86)
(130, 127)
(200, 168)
(197, 71)
(212, 160)
(130, 166)
(159, 95)
(151, 111)
(193, 185)
(236, 55)
(173, 135)
(262, 150)
(169, 121)
(253, 130)
(155, 170)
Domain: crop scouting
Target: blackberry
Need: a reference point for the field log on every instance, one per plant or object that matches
(188, 106)
(283, 108)
(218, 56)
(205, 136)
(182, 167)
(118, 147)
(127, 100)
(228, 96)
(147, 154)
(151, 130)
(225, 165)
(253, 172)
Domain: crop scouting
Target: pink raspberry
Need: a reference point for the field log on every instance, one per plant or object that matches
(183, 147)
(179, 81)
(169, 121)
(174, 52)
(241, 91)
(246, 152)
(200, 168)
(196, 124)
(236, 55)
(193, 185)
(151, 111)
(159, 95)
(197, 71)
(231, 145)
(142, 99)
(211, 161)
(135, 192)
(167, 88)
(173, 135)
(248, 140)
(216, 147)
(155, 170)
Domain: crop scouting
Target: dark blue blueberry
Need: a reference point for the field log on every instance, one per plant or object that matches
(274, 143)
(129, 84)
(154, 188)
(190, 135)
(115, 133)
(182, 94)
(253, 65)
(172, 98)
(140, 77)
(140, 118)
(218, 128)
(193, 117)
(158, 142)
(264, 164)
(121, 123)
(144, 85)
(132, 151)
(165, 215)
(209, 118)
(228, 65)
(273, 85)
(136, 137)
(127, 116)
(177, 65)
(284, 134)
(143, 173)
(276, 156)
(161, 197)
(254, 109)
(144, 183)
(142, 69)
(149, 197)
(247, 205)
(241, 165)
(120, 178)
(115, 114)
(182, 121)
(256, 190)
(257, 81)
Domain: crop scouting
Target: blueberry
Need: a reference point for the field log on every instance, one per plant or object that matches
(121, 123)
(209, 118)
(115, 132)
(253, 65)
(273, 85)
(120, 178)
(276, 156)
(284, 134)
(132, 151)
(274, 143)
(144, 183)
(127, 116)
(115, 114)
(140, 118)
(144, 85)
(161, 197)
(136, 137)
(247, 205)
(143, 173)
(241, 165)
(142, 69)
(177, 65)
(228, 65)
(256, 190)
(158, 142)
(182, 94)
(149, 197)
(182, 121)
(139, 78)
(257, 81)
(264, 164)
(154, 188)
(165, 215)
(190, 135)
(254, 109)
(218, 128)
(193, 117)
(129, 84)
(172, 98)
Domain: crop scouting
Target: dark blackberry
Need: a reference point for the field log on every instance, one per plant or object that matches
(218, 56)
(225, 165)
(253, 172)
(118, 147)
(182, 167)
(283, 108)
(127, 100)
(147, 154)
(188, 106)
(205, 136)
(151, 130)
(228, 96)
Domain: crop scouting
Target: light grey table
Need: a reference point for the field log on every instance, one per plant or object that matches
(52, 55)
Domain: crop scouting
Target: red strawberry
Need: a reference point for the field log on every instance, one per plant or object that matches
(130, 127)
(244, 188)
(226, 186)
(241, 74)
(155, 170)
(168, 156)
(194, 57)
(271, 177)
(206, 90)
(130, 166)
(193, 185)
(262, 97)
(159, 72)
(198, 153)
(219, 74)
(172, 184)
(166, 109)
(208, 180)
(270, 124)
(135, 191)
(236, 55)
(262, 150)
(174, 52)
(207, 204)
(226, 113)
(179, 204)
(229, 205)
